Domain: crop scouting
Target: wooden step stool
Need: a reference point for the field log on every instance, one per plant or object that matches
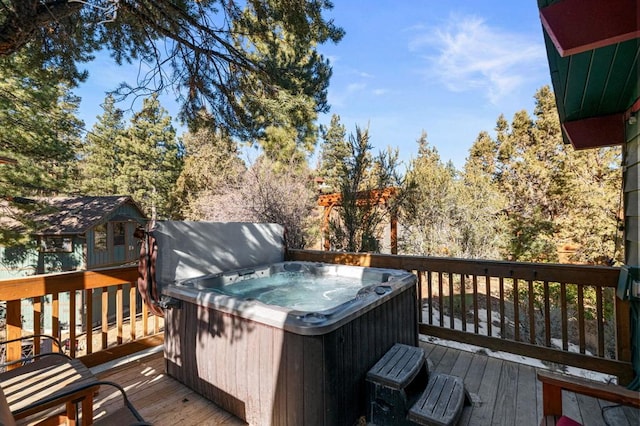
(394, 383)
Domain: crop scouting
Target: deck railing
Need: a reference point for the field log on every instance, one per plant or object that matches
(564, 314)
(98, 307)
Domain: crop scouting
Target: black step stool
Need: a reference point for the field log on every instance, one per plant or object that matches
(394, 383)
(441, 403)
(402, 393)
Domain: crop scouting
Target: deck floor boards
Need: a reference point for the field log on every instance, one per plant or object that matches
(502, 392)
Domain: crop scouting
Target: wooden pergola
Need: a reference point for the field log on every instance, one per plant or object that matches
(329, 201)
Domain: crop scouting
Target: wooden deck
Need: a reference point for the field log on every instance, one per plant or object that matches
(503, 393)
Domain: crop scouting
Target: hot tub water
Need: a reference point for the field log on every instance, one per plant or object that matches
(298, 290)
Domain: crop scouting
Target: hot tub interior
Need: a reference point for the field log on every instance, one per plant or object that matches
(303, 286)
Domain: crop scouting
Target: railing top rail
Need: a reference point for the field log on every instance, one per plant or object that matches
(41, 285)
(604, 276)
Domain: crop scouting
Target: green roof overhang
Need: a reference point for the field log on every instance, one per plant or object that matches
(593, 48)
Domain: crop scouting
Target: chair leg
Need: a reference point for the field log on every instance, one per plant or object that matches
(87, 410)
(72, 413)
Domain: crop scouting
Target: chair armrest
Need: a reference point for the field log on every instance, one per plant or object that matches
(27, 359)
(553, 384)
(30, 337)
(33, 336)
(134, 412)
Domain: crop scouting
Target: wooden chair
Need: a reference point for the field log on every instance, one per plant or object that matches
(44, 381)
(126, 415)
(553, 384)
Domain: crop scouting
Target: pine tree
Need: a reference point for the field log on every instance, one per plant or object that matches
(334, 152)
(211, 165)
(39, 130)
(362, 182)
(101, 156)
(152, 160)
(428, 212)
(481, 205)
(592, 226)
(206, 50)
(286, 119)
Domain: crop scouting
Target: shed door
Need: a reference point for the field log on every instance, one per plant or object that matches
(119, 241)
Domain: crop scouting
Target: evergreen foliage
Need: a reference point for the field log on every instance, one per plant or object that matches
(556, 197)
(334, 152)
(362, 180)
(240, 60)
(211, 165)
(151, 161)
(39, 130)
(101, 154)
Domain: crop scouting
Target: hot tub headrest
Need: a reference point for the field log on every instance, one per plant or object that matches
(191, 249)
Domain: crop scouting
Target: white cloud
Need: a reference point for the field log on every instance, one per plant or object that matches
(467, 54)
(355, 87)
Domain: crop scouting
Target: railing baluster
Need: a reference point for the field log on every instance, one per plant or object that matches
(503, 330)
(516, 311)
(440, 300)
(488, 304)
(565, 315)
(89, 321)
(547, 315)
(476, 322)
(532, 314)
(133, 312)
(55, 315)
(452, 312)
(14, 330)
(581, 328)
(600, 320)
(37, 318)
(105, 317)
(72, 324)
(430, 295)
(119, 314)
(463, 302)
(145, 320)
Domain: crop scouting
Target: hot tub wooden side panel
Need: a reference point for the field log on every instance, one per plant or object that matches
(354, 348)
(266, 375)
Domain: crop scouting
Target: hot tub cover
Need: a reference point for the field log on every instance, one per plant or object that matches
(173, 251)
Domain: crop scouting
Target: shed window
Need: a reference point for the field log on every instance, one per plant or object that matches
(119, 229)
(100, 237)
(56, 245)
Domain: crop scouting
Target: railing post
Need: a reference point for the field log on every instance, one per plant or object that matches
(623, 330)
(14, 330)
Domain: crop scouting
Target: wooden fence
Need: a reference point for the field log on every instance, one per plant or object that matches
(125, 325)
(565, 314)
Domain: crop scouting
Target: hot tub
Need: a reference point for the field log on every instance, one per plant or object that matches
(229, 337)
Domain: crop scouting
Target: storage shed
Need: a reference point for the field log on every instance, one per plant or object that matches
(73, 233)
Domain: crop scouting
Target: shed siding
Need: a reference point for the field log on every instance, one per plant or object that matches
(632, 193)
(115, 255)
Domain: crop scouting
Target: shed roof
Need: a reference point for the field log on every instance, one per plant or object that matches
(76, 215)
(593, 49)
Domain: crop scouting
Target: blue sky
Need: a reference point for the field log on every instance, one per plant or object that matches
(449, 68)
